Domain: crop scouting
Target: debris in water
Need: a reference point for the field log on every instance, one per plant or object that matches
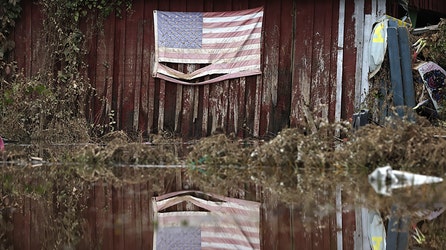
(384, 180)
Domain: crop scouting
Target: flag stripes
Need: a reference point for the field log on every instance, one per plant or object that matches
(226, 43)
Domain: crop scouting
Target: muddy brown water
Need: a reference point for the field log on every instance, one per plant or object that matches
(299, 179)
(109, 191)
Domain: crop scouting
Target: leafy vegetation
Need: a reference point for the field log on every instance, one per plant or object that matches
(9, 12)
(50, 106)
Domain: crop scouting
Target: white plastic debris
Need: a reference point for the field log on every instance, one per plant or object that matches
(385, 179)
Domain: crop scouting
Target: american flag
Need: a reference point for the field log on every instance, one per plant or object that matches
(226, 44)
(226, 224)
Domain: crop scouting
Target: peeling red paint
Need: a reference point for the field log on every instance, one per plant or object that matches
(299, 68)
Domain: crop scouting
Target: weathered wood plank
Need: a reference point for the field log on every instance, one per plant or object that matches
(321, 60)
(250, 106)
(233, 106)
(340, 61)
(240, 112)
(105, 69)
(196, 119)
(37, 43)
(330, 39)
(161, 105)
(188, 104)
(138, 121)
(253, 114)
(282, 107)
(170, 107)
(118, 70)
(179, 103)
(218, 106)
(89, 27)
(349, 63)
(23, 49)
(336, 21)
(149, 110)
(363, 32)
(270, 83)
(206, 104)
(128, 85)
(257, 106)
(164, 90)
(303, 57)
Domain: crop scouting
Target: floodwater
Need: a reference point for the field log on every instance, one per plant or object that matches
(103, 196)
(81, 206)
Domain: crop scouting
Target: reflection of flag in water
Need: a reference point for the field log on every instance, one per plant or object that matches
(227, 43)
(227, 224)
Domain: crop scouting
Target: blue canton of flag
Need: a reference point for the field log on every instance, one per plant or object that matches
(180, 29)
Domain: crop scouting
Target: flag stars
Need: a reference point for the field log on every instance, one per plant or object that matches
(180, 29)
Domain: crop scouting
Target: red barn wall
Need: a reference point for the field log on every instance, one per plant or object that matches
(299, 63)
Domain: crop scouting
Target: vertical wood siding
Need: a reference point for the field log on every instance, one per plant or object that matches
(299, 64)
